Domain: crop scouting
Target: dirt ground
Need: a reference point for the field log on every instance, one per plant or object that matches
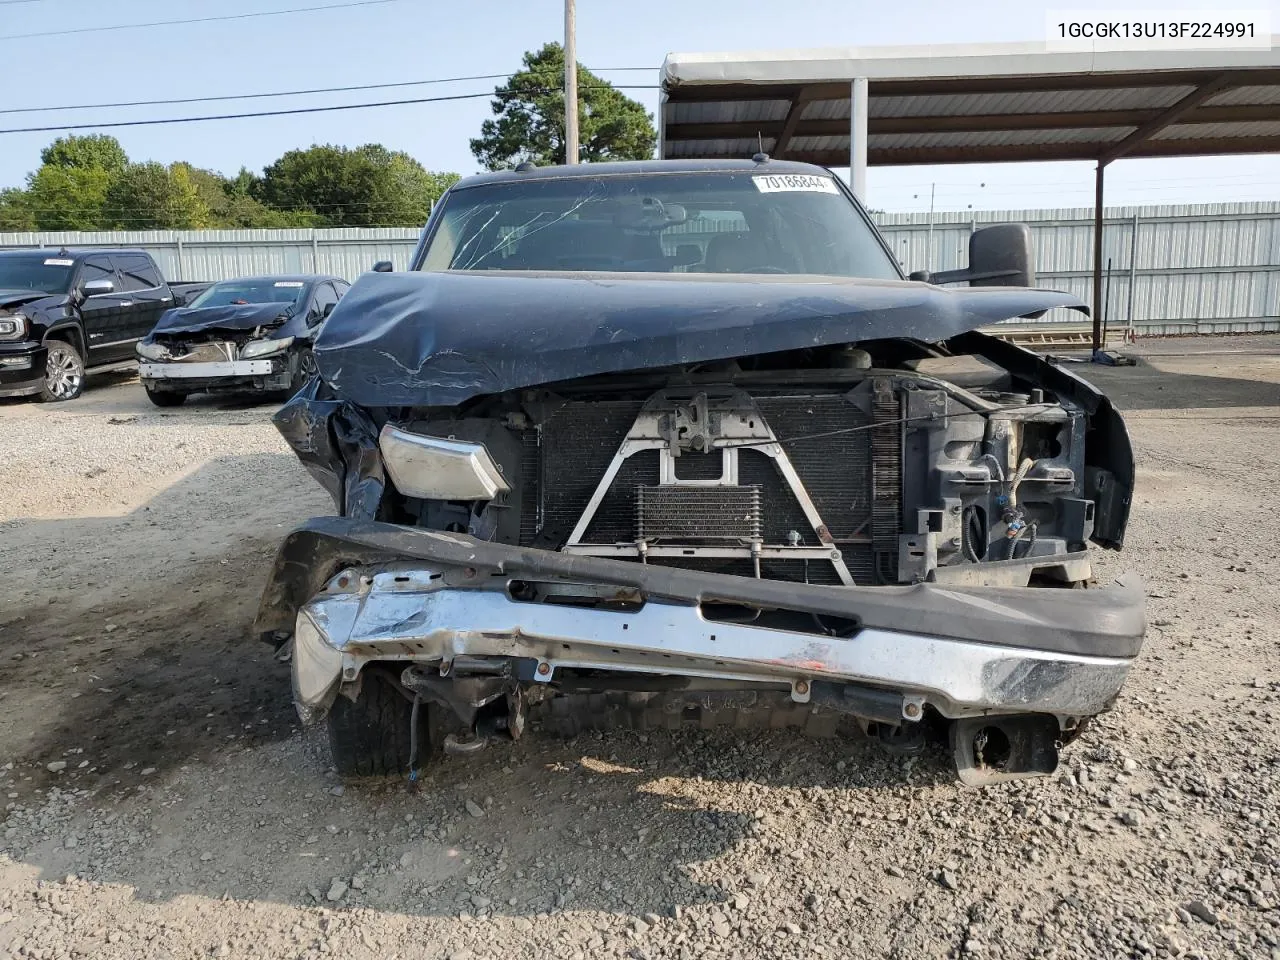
(161, 801)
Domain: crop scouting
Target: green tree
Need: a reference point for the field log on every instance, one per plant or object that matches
(529, 120)
(151, 196)
(67, 198)
(362, 187)
(15, 211)
(68, 191)
(230, 205)
(97, 151)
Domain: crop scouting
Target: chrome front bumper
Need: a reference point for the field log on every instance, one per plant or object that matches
(412, 614)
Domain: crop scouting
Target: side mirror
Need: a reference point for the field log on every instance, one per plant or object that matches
(328, 309)
(383, 266)
(999, 256)
(95, 288)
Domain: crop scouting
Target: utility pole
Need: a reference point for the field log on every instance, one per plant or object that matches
(570, 83)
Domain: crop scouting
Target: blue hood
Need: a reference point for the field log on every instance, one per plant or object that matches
(246, 316)
(440, 339)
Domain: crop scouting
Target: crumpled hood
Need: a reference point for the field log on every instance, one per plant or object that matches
(439, 339)
(16, 298)
(246, 316)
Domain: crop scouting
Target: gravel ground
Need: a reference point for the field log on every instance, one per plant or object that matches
(161, 802)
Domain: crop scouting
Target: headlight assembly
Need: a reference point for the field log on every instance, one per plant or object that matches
(13, 327)
(265, 348)
(435, 468)
(152, 351)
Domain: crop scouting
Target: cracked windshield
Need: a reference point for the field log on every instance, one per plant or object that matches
(664, 223)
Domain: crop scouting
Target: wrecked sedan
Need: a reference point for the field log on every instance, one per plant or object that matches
(253, 334)
(664, 443)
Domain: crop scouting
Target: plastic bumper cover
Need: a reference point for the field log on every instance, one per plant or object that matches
(205, 371)
(269, 374)
(22, 368)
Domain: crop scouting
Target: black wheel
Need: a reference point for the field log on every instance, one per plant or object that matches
(369, 737)
(304, 368)
(165, 398)
(63, 374)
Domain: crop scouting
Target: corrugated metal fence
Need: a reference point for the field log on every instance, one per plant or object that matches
(1173, 269)
(222, 254)
(1210, 268)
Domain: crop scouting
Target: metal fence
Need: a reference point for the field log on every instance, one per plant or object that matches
(1210, 268)
(222, 254)
(1172, 269)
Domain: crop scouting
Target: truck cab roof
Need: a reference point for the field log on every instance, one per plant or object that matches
(633, 167)
(78, 254)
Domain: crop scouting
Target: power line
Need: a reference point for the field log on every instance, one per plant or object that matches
(174, 23)
(279, 93)
(251, 96)
(299, 110)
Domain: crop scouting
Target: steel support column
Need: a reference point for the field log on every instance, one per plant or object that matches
(1097, 257)
(858, 138)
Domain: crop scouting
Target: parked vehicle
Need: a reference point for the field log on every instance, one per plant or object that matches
(64, 312)
(250, 334)
(666, 443)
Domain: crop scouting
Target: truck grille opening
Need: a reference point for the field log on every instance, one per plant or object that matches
(853, 480)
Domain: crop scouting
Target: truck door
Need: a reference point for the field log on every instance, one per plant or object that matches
(105, 325)
(151, 297)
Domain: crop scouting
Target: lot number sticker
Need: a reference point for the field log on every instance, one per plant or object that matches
(795, 182)
(289, 283)
(59, 263)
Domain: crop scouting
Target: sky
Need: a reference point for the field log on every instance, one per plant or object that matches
(411, 40)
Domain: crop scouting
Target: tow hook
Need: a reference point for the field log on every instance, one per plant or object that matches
(456, 746)
(490, 727)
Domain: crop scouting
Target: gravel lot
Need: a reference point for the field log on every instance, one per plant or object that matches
(161, 802)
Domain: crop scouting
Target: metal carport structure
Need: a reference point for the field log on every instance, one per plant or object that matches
(984, 103)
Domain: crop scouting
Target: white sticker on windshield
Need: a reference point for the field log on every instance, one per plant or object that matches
(789, 182)
(289, 283)
(54, 262)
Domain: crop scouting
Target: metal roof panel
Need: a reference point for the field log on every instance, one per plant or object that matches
(1039, 101)
(1247, 95)
(994, 138)
(726, 111)
(1215, 131)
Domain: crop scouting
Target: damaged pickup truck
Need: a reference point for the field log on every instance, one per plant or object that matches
(656, 444)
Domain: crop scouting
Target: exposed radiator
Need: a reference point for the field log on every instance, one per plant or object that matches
(840, 471)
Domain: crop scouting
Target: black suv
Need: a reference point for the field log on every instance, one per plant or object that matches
(64, 311)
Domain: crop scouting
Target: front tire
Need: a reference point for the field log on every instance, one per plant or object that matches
(369, 737)
(304, 368)
(63, 374)
(165, 398)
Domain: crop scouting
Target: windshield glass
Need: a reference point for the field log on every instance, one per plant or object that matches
(674, 222)
(27, 271)
(232, 292)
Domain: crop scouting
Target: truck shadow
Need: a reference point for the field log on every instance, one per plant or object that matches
(126, 637)
(179, 766)
(621, 826)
